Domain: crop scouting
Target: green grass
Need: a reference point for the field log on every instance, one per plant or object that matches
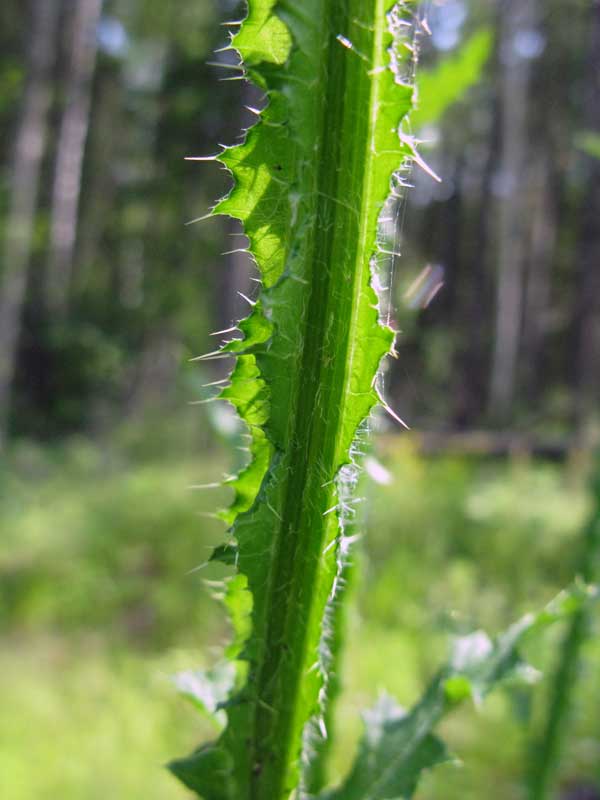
(78, 722)
(87, 707)
(93, 541)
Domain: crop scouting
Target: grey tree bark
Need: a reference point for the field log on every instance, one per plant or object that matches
(101, 186)
(472, 312)
(587, 398)
(29, 147)
(518, 16)
(83, 17)
(542, 242)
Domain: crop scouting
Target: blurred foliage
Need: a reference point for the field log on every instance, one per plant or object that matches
(95, 574)
(78, 722)
(147, 289)
(589, 142)
(88, 542)
(143, 283)
(443, 85)
(99, 539)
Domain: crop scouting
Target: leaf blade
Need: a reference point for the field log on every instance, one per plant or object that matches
(310, 183)
(397, 748)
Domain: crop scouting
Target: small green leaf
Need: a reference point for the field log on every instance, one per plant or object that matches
(589, 142)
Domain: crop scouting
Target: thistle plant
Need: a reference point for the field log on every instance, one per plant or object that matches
(315, 185)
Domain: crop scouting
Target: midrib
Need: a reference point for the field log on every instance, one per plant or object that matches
(316, 414)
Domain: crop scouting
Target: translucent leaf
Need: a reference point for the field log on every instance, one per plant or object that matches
(309, 185)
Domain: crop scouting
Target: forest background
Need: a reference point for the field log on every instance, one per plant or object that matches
(106, 295)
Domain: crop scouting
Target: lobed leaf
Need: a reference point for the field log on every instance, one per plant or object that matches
(397, 747)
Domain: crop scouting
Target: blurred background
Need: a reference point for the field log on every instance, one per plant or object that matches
(105, 295)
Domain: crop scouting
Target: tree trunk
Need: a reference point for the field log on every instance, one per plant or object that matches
(588, 300)
(473, 312)
(100, 191)
(30, 139)
(518, 15)
(542, 242)
(83, 16)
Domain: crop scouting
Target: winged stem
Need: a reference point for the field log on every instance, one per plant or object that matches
(310, 183)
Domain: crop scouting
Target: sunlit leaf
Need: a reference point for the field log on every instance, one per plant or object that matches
(309, 185)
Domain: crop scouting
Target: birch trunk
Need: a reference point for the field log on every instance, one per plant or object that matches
(588, 300)
(542, 244)
(30, 141)
(518, 15)
(83, 17)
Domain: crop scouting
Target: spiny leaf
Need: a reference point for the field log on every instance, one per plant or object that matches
(392, 755)
(397, 747)
(310, 182)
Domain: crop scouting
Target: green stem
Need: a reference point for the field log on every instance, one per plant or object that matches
(311, 181)
(338, 272)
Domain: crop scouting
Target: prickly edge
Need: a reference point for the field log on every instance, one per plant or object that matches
(309, 184)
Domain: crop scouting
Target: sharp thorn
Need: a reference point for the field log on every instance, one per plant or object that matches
(247, 299)
(223, 65)
(215, 383)
(425, 167)
(211, 356)
(237, 250)
(393, 414)
(202, 158)
(225, 330)
(201, 219)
